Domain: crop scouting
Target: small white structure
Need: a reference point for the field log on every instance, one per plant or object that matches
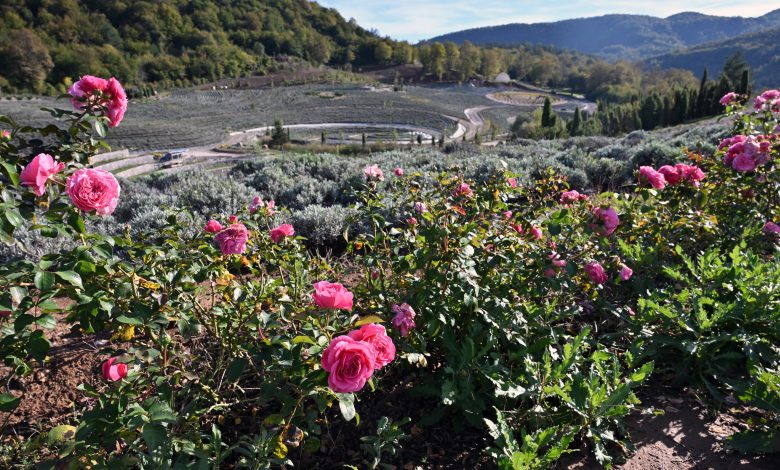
(502, 77)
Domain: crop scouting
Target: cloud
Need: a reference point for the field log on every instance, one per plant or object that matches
(420, 19)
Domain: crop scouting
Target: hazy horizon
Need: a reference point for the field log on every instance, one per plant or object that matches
(414, 20)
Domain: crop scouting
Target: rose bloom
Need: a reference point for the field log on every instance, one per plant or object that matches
(375, 335)
(772, 228)
(671, 174)
(114, 372)
(691, 173)
(655, 178)
(232, 240)
(91, 92)
(373, 172)
(570, 197)
(332, 295)
(512, 182)
(411, 221)
(279, 233)
(350, 363)
(5, 135)
(556, 260)
(212, 226)
(404, 318)
(39, 171)
(625, 272)
(606, 221)
(398, 171)
(596, 273)
(420, 207)
(517, 228)
(463, 190)
(93, 190)
(728, 98)
(507, 215)
(536, 232)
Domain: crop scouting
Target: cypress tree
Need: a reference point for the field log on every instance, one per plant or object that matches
(547, 113)
(363, 139)
(575, 126)
(323, 139)
(700, 98)
(744, 83)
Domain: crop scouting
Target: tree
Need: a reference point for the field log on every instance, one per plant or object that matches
(278, 135)
(382, 52)
(734, 67)
(25, 60)
(745, 87)
(700, 98)
(575, 126)
(548, 115)
(323, 138)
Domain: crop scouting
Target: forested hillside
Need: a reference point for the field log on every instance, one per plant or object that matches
(759, 49)
(628, 37)
(45, 44)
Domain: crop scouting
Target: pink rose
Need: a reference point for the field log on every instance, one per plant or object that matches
(375, 335)
(113, 371)
(404, 318)
(233, 219)
(38, 172)
(655, 178)
(512, 182)
(507, 214)
(691, 173)
(570, 197)
(213, 226)
(771, 228)
(92, 93)
(282, 231)
(398, 171)
(625, 272)
(332, 295)
(411, 221)
(232, 240)
(350, 363)
(596, 273)
(536, 232)
(420, 207)
(5, 135)
(463, 190)
(671, 174)
(258, 203)
(373, 172)
(606, 221)
(93, 190)
(728, 98)
(517, 228)
(556, 260)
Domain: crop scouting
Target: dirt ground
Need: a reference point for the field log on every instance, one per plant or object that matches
(672, 430)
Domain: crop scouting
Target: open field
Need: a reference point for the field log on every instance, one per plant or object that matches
(189, 118)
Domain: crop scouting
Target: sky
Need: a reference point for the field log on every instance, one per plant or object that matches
(423, 19)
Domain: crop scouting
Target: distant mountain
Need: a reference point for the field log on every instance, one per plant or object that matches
(629, 37)
(760, 49)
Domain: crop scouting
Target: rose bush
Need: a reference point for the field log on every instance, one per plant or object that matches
(505, 306)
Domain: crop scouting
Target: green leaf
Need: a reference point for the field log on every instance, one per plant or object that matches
(161, 412)
(154, 435)
(347, 405)
(13, 217)
(756, 442)
(46, 321)
(236, 368)
(10, 170)
(44, 280)
(303, 339)
(60, 434)
(368, 319)
(72, 277)
(9, 402)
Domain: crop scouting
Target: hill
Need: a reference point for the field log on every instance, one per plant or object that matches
(759, 49)
(45, 45)
(629, 37)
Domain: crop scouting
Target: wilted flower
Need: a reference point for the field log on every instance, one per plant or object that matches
(596, 272)
(464, 190)
(420, 207)
(404, 318)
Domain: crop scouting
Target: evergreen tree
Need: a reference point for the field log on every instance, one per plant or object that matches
(744, 83)
(575, 126)
(323, 139)
(547, 113)
(734, 67)
(278, 136)
(701, 97)
(363, 139)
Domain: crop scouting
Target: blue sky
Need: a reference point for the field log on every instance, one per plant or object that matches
(421, 19)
